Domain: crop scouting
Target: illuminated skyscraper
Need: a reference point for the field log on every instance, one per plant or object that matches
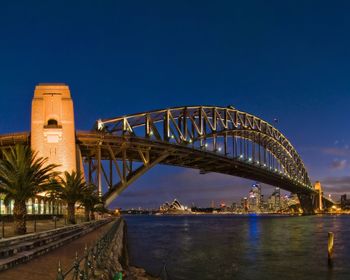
(274, 201)
(254, 199)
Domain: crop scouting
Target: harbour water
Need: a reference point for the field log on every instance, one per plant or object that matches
(240, 247)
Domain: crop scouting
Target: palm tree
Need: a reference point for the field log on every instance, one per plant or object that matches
(53, 195)
(71, 190)
(23, 175)
(89, 200)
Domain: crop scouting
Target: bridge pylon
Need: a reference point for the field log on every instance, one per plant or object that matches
(318, 198)
(307, 203)
(52, 127)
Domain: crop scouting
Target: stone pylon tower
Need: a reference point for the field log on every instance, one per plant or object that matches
(52, 126)
(318, 188)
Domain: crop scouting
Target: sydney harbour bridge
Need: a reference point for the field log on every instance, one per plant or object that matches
(119, 150)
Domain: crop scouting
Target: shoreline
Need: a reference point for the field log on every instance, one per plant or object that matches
(234, 214)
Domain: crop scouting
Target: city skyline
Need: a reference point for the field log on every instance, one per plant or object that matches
(263, 198)
(292, 68)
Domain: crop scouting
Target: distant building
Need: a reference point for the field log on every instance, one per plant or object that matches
(344, 202)
(234, 206)
(174, 206)
(294, 203)
(224, 207)
(274, 201)
(284, 203)
(244, 204)
(255, 199)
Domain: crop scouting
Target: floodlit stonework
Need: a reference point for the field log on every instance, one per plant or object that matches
(52, 125)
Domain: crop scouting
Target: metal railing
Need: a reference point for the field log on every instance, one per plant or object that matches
(84, 268)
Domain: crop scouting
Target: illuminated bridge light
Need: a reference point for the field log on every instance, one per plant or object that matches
(172, 136)
(257, 162)
(219, 149)
(100, 124)
(241, 156)
(151, 133)
(206, 145)
(250, 159)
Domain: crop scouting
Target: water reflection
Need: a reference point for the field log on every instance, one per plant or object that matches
(240, 247)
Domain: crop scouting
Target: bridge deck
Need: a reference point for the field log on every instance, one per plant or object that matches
(184, 156)
(178, 155)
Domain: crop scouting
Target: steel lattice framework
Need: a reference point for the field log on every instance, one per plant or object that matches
(211, 139)
(208, 138)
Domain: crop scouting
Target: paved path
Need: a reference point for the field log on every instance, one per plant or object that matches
(45, 266)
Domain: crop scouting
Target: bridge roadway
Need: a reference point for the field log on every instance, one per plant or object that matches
(185, 156)
(160, 152)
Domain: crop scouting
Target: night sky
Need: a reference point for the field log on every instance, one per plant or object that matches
(276, 59)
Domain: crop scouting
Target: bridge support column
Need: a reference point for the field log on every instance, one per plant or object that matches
(307, 203)
(99, 171)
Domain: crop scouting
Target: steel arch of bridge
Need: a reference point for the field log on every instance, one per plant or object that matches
(208, 138)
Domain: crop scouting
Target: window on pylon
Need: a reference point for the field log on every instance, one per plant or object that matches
(52, 123)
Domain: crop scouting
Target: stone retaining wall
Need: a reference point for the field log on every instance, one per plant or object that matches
(118, 260)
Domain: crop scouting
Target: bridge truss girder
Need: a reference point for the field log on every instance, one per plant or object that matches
(121, 154)
(237, 136)
(197, 125)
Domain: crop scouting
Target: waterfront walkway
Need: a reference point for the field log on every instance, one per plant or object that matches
(45, 266)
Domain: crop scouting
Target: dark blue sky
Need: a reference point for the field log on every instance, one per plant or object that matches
(285, 59)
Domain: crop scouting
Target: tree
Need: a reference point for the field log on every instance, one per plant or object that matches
(53, 195)
(90, 200)
(23, 175)
(71, 190)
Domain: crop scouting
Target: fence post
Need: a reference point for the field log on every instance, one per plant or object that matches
(76, 267)
(59, 272)
(86, 263)
(3, 227)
